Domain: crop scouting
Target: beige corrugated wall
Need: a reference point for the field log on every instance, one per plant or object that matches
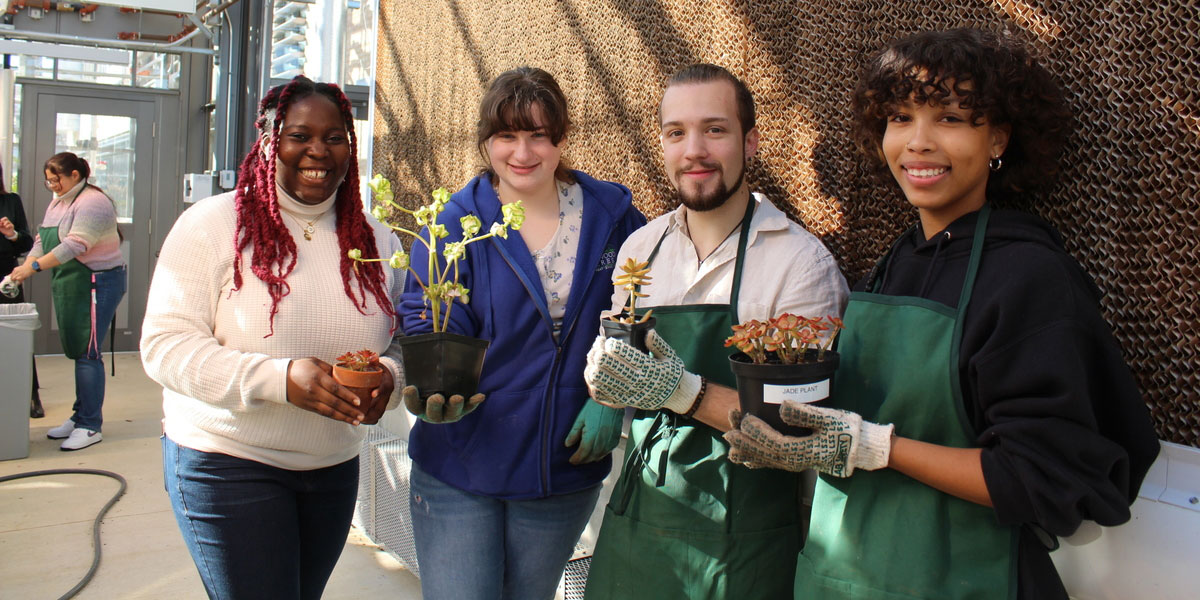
(1128, 207)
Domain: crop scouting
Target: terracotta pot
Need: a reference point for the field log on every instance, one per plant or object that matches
(362, 383)
(762, 388)
(633, 334)
(443, 363)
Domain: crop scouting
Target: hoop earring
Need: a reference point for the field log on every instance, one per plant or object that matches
(995, 163)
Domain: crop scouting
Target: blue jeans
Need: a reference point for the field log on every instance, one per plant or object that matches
(89, 370)
(472, 547)
(257, 531)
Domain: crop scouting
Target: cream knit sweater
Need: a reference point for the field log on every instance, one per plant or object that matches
(224, 382)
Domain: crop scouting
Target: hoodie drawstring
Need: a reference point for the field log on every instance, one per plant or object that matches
(937, 249)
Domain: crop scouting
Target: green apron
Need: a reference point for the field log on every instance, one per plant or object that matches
(71, 289)
(683, 521)
(881, 534)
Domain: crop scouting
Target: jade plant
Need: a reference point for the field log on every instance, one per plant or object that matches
(634, 275)
(441, 288)
(361, 360)
(788, 337)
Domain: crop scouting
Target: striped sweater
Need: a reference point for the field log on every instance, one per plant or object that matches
(87, 229)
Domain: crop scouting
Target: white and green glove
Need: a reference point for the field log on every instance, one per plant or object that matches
(621, 375)
(841, 441)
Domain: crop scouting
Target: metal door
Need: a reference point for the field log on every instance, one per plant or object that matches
(116, 135)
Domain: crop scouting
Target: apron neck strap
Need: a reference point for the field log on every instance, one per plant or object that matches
(976, 254)
(743, 239)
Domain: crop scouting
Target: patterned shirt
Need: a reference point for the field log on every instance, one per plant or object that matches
(556, 261)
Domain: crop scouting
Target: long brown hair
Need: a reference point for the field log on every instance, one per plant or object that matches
(507, 105)
(260, 226)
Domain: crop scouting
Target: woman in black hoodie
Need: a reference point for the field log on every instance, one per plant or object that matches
(978, 338)
(15, 240)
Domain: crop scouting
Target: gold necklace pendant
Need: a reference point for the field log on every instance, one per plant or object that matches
(308, 227)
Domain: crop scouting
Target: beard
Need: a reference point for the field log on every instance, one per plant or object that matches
(701, 202)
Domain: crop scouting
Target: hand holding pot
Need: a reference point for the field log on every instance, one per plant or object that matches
(310, 386)
(597, 430)
(620, 375)
(436, 409)
(841, 441)
(379, 399)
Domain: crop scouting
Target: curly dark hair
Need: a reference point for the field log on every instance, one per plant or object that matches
(993, 76)
(260, 226)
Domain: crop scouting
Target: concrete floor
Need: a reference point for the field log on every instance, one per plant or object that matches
(46, 522)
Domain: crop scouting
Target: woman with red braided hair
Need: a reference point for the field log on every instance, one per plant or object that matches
(253, 297)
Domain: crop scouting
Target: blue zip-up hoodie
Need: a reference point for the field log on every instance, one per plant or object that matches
(511, 447)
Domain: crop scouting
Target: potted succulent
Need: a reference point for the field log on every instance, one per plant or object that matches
(629, 326)
(440, 362)
(360, 372)
(785, 358)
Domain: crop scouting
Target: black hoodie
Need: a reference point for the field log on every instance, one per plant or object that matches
(1065, 433)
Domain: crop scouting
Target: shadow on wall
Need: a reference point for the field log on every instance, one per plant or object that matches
(1132, 172)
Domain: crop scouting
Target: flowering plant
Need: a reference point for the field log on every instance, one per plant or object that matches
(634, 275)
(362, 360)
(788, 336)
(442, 287)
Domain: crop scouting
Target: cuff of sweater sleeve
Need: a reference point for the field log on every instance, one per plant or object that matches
(685, 393)
(874, 446)
(397, 370)
(269, 381)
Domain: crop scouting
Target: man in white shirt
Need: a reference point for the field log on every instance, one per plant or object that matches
(684, 521)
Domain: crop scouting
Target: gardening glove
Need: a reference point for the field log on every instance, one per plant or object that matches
(841, 441)
(620, 375)
(436, 409)
(597, 430)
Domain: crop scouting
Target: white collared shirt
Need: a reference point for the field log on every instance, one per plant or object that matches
(786, 268)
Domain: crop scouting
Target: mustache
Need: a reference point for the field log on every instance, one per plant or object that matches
(705, 166)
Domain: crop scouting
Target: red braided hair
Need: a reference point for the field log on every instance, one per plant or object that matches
(260, 225)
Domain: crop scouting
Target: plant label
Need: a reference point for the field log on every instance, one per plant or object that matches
(803, 393)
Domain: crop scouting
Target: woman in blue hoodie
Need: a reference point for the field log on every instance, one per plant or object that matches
(502, 489)
(1010, 414)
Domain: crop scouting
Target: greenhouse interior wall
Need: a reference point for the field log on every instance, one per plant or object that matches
(1127, 208)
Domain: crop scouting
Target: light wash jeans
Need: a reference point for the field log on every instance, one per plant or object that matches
(257, 531)
(472, 547)
(89, 369)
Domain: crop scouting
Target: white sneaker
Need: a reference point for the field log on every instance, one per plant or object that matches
(81, 438)
(62, 431)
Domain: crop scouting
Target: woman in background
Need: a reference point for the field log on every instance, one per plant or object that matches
(17, 241)
(78, 242)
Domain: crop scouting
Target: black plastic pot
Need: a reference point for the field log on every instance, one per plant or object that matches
(633, 334)
(762, 387)
(443, 363)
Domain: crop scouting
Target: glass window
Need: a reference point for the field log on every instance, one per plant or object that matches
(37, 67)
(156, 70)
(15, 168)
(304, 42)
(143, 69)
(360, 47)
(289, 38)
(94, 72)
(106, 142)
